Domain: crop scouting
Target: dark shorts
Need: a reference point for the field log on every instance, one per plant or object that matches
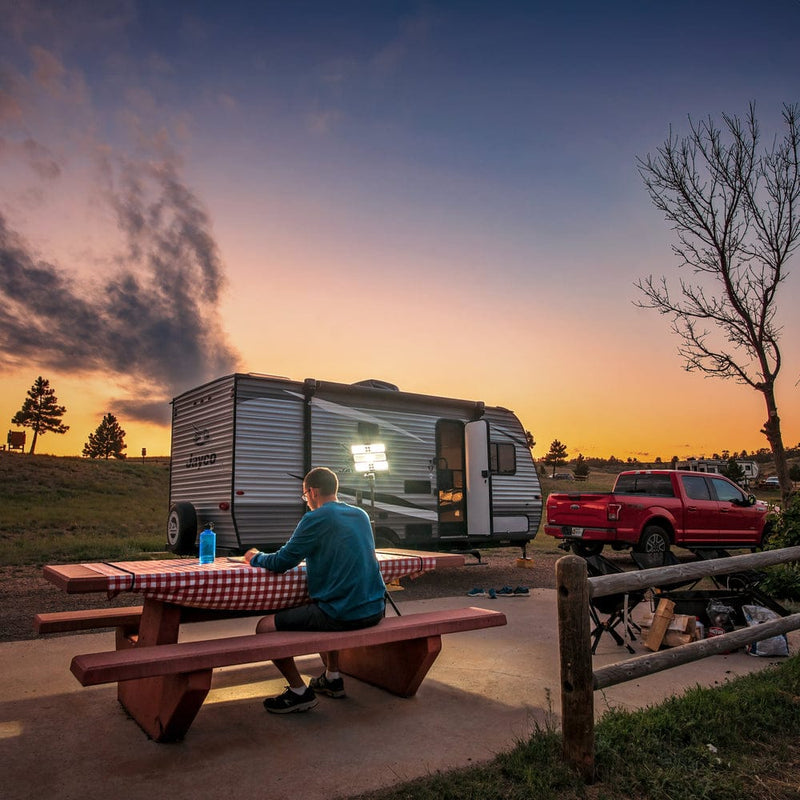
(312, 618)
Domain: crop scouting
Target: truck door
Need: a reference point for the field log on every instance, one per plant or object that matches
(479, 496)
(738, 521)
(701, 510)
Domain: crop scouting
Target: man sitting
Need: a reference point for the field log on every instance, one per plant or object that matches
(344, 583)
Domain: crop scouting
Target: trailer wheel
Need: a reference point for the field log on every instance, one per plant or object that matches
(586, 549)
(182, 528)
(654, 541)
(385, 538)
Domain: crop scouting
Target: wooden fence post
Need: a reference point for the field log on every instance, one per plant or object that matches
(574, 642)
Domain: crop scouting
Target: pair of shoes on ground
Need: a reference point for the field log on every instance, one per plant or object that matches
(290, 701)
(506, 591)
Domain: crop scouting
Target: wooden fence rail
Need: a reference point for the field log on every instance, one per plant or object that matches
(579, 681)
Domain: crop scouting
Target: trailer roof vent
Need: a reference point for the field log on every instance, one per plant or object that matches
(374, 383)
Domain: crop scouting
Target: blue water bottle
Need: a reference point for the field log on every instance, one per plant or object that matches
(208, 544)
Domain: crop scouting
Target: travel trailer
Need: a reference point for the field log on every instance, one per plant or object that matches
(432, 472)
(718, 466)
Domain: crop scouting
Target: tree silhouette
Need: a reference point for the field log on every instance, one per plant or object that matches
(556, 455)
(40, 412)
(107, 440)
(529, 440)
(736, 214)
(734, 471)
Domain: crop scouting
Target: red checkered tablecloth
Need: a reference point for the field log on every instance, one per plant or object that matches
(229, 585)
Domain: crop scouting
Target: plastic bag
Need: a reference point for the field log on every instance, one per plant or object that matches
(774, 645)
(720, 615)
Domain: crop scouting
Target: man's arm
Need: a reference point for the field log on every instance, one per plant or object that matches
(292, 553)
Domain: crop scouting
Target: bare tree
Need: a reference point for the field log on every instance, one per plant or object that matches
(736, 213)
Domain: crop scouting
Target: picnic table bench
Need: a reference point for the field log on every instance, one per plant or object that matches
(172, 680)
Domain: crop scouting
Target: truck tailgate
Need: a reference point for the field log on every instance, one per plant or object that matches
(583, 510)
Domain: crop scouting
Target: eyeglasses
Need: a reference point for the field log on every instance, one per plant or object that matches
(305, 494)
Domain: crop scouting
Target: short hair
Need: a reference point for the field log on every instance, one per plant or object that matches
(323, 479)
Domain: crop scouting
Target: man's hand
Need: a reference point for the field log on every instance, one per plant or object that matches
(248, 556)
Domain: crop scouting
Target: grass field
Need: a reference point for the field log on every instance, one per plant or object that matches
(75, 509)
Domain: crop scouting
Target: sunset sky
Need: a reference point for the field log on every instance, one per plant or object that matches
(193, 188)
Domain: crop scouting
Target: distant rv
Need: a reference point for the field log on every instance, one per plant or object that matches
(433, 472)
(718, 466)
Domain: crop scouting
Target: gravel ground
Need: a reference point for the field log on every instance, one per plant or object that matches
(24, 593)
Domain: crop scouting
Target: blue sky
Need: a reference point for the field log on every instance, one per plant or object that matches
(466, 171)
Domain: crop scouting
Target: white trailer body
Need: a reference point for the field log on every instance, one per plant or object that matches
(460, 473)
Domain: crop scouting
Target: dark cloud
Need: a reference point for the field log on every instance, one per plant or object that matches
(153, 322)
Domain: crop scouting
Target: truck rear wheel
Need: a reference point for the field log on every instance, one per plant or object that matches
(182, 529)
(654, 541)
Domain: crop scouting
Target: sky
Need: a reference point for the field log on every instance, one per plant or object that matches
(443, 195)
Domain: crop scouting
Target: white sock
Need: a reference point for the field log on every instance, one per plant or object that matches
(299, 689)
(332, 676)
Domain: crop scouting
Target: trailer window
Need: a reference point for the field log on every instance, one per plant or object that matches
(502, 458)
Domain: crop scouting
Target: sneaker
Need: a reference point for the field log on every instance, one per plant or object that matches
(323, 685)
(476, 592)
(492, 594)
(522, 591)
(506, 591)
(290, 701)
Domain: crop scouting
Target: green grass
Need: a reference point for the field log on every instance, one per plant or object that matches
(738, 741)
(74, 509)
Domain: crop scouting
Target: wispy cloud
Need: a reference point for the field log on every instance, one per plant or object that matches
(148, 316)
(153, 323)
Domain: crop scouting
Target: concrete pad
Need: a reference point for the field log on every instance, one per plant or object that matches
(487, 690)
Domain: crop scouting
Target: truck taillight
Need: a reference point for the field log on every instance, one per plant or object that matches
(613, 511)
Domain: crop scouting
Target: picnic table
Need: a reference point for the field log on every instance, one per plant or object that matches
(162, 682)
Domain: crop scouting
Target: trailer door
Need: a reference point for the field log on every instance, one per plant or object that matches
(478, 488)
(451, 506)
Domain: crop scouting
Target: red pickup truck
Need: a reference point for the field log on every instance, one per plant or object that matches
(651, 509)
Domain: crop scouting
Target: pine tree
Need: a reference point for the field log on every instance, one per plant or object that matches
(734, 471)
(40, 412)
(557, 454)
(107, 440)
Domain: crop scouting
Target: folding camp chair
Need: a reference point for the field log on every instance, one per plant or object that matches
(744, 582)
(613, 610)
(741, 581)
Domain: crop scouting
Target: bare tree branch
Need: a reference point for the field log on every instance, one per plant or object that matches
(735, 211)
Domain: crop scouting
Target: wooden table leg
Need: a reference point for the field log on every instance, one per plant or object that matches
(398, 667)
(165, 706)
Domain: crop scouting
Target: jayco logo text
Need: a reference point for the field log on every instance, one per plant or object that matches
(196, 462)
